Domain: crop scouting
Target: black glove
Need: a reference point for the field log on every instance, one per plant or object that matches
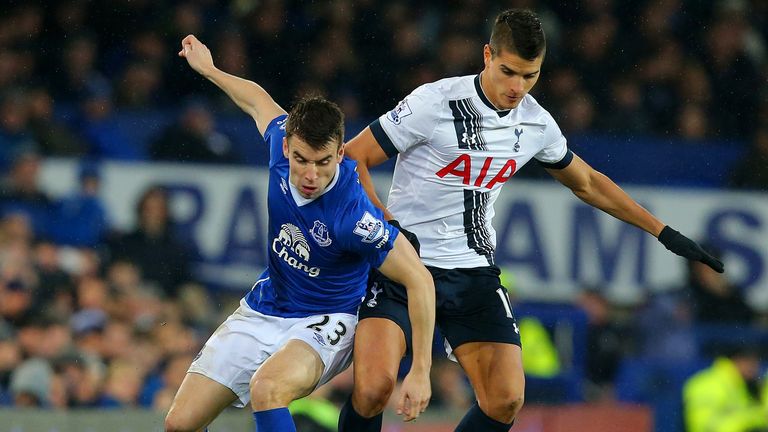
(408, 235)
(687, 248)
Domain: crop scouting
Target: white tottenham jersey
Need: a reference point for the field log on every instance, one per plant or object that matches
(455, 152)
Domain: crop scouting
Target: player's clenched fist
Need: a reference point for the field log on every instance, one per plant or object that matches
(197, 54)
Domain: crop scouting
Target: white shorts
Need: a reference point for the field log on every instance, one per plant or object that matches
(248, 338)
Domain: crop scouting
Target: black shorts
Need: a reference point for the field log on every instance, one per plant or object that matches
(472, 305)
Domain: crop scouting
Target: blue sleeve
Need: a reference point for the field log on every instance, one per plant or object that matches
(362, 230)
(273, 136)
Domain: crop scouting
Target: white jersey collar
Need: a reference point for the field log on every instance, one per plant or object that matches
(484, 98)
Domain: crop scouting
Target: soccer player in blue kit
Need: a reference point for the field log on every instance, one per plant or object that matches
(458, 141)
(295, 329)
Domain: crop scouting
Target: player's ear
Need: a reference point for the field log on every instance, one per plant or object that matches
(285, 147)
(341, 152)
(487, 55)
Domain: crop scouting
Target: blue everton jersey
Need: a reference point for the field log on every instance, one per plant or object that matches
(320, 250)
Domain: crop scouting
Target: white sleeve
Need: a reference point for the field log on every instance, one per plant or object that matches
(555, 149)
(410, 123)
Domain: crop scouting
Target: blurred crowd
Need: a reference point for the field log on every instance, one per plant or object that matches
(683, 69)
(93, 317)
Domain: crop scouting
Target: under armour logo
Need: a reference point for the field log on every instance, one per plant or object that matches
(517, 329)
(375, 290)
(469, 139)
(518, 132)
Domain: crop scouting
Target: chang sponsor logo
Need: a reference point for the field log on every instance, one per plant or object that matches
(291, 246)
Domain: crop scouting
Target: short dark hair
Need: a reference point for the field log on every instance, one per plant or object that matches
(519, 32)
(317, 121)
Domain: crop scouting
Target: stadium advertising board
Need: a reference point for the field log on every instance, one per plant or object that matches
(550, 243)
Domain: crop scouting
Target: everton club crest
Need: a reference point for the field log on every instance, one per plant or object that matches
(319, 232)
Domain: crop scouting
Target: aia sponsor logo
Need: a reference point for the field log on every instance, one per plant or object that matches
(461, 167)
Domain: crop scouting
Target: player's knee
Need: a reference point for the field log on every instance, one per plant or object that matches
(503, 401)
(370, 396)
(175, 422)
(267, 392)
(504, 404)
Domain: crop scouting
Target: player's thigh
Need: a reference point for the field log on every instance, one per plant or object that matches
(197, 403)
(313, 350)
(379, 346)
(293, 371)
(494, 369)
(473, 307)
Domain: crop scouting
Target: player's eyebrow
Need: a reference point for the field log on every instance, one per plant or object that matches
(301, 156)
(508, 69)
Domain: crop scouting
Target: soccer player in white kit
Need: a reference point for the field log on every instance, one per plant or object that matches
(458, 141)
(294, 330)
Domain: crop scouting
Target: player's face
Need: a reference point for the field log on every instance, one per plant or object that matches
(311, 170)
(507, 77)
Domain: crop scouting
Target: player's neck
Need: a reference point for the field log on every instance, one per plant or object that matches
(485, 93)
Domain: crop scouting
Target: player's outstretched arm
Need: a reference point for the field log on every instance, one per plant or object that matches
(403, 266)
(597, 190)
(248, 95)
(368, 153)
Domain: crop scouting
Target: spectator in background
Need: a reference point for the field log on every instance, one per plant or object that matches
(55, 294)
(732, 70)
(193, 138)
(140, 86)
(21, 194)
(53, 137)
(77, 71)
(16, 300)
(606, 341)
(123, 384)
(726, 397)
(31, 383)
(665, 327)
(10, 358)
(153, 245)
(692, 122)
(715, 299)
(14, 126)
(100, 127)
(627, 114)
(451, 389)
(80, 219)
(81, 377)
(752, 171)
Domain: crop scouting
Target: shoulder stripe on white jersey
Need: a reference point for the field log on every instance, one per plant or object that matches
(383, 139)
(564, 162)
(477, 121)
(467, 125)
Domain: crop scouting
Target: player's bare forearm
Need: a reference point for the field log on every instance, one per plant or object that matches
(421, 307)
(368, 153)
(404, 267)
(610, 198)
(247, 95)
(599, 191)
